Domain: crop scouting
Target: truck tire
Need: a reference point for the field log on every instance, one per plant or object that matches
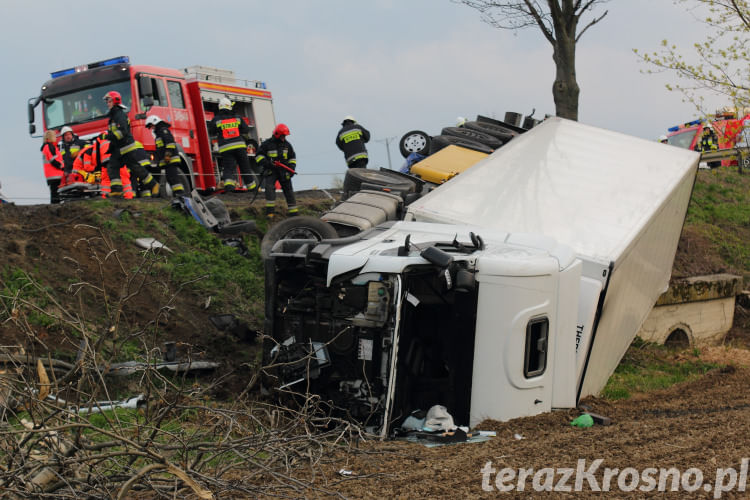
(441, 141)
(355, 177)
(300, 227)
(473, 135)
(502, 133)
(415, 141)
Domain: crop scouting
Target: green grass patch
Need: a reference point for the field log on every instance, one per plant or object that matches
(648, 367)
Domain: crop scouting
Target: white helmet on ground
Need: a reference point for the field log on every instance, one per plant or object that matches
(225, 103)
(65, 130)
(152, 121)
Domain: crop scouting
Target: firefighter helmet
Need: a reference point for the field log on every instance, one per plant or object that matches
(662, 138)
(115, 96)
(225, 103)
(65, 130)
(152, 121)
(348, 118)
(280, 130)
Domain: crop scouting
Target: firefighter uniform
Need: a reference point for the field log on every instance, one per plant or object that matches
(126, 151)
(708, 142)
(167, 155)
(69, 152)
(277, 149)
(91, 163)
(52, 161)
(232, 135)
(351, 140)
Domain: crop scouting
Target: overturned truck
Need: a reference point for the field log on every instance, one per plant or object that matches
(513, 289)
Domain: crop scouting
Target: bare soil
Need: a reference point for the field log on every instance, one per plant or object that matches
(703, 424)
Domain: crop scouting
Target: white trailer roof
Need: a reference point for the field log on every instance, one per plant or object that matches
(591, 189)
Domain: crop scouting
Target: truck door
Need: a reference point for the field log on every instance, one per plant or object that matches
(183, 126)
(160, 108)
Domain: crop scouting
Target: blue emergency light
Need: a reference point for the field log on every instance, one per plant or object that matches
(97, 64)
(684, 125)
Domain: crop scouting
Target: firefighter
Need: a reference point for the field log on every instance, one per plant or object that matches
(91, 163)
(167, 155)
(276, 157)
(351, 140)
(232, 134)
(69, 148)
(708, 142)
(53, 167)
(124, 150)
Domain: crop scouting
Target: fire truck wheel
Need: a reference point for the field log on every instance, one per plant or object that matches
(356, 177)
(502, 133)
(415, 141)
(441, 141)
(300, 227)
(473, 135)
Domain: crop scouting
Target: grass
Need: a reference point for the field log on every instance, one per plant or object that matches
(648, 367)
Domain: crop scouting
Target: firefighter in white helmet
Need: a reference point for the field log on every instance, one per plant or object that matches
(232, 134)
(167, 154)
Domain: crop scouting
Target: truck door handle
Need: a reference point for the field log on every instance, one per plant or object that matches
(192, 134)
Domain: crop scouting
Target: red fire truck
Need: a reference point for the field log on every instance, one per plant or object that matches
(186, 98)
(725, 125)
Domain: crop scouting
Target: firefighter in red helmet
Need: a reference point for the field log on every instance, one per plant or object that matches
(125, 150)
(276, 157)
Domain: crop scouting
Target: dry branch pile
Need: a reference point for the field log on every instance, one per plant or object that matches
(64, 434)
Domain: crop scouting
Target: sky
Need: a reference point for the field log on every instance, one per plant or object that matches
(395, 65)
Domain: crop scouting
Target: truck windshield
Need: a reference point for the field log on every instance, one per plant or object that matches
(682, 139)
(82, 105)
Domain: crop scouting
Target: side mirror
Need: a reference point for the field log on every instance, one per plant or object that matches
(144, 87)
(32, 129)
(31, 113)
(148, 101)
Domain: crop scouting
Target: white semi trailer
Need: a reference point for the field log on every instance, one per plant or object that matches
(513, 289)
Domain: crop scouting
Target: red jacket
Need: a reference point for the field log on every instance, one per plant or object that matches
(52, 161)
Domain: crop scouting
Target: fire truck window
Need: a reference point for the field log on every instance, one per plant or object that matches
(158, 92)
(81, 106)
(682, 139)
(175, 94)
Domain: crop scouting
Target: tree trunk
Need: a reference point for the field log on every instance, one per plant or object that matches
(565, 90)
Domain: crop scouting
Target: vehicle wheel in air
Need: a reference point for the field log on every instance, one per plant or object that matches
(441, 141)
(299, 227)
(355, 177)
(415, 141)
(473, 135)
(502, 133)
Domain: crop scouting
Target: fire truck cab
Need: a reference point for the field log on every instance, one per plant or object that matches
(725, 125)
(186, 98)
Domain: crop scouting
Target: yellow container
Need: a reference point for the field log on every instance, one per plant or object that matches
(445, 164)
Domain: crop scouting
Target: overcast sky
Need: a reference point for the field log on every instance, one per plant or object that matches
(396, 65)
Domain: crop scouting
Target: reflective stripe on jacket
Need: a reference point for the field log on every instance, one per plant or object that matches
(52, 161)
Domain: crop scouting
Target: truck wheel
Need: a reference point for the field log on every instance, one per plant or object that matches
(473, 135)
(300, 227)
(415, 141)
(441, 141)
(502, 133)
(355, 177)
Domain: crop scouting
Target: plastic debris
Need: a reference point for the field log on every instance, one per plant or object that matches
(151, 244)
(344, 472)
(584, 421)
(518, 437)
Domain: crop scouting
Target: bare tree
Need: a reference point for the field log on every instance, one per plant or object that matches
(559, 22)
